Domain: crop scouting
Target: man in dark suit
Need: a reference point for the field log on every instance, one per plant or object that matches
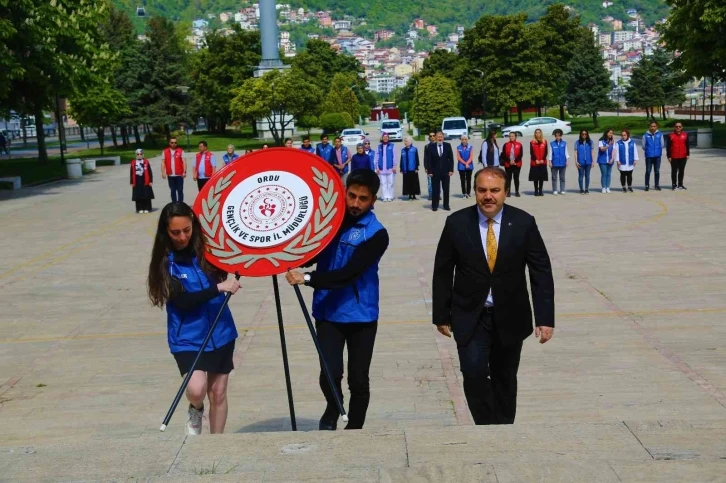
(440, 158)
(480, 293)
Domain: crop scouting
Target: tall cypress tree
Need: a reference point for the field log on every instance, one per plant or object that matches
(588, 82)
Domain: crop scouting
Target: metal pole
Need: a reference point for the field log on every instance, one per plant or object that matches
(185, 383)
(59, 123)
(283, 345)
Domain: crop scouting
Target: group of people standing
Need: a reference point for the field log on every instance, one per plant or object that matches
(555, 155)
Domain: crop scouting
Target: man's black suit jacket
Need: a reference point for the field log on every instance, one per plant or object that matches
(441, 165)
(462, 278)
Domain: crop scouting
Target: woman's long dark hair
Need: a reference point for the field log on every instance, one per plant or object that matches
(587, 137)
(605, 135)
(158, 281)
(491, 140)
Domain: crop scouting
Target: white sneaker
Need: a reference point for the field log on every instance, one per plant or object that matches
(194, 422)
(562, 192)
(608, 190)
(604, 190)
(554, 193)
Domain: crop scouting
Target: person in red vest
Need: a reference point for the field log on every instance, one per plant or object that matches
(141, 180)
(174, 168)
(538, 162)
(678, 153)
(204, 166)
(511, 158)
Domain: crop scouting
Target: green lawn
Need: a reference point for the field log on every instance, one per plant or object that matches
(30, 171)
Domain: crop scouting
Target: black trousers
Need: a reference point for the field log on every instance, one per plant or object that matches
(201, 182)
(440, 182)
(143, 205)
(538, 186)
(678, 168)
(513, 175)
(490, 375)
(176, 186)
(360, 338)
(465, 177)
(626, 177)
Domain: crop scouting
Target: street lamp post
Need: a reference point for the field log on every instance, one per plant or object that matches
(483, 96)
(185, 92)
(61, 129)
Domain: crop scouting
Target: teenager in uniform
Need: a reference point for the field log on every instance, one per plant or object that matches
(345, 301)
(205, 165)
(653, 144)
(306, 146)
(288, 142)
(584, 161)
(538, 162)
(605, 149)
(678, 152)
(558, 156)
(193, 292)
(625, 155)
(512, 153)
(465, 164)
(174, 168)
(141, 181)
(324, 149)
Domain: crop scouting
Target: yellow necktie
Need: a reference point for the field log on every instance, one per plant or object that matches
(491, 246)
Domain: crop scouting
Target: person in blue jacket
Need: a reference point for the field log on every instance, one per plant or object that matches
(306, 146)
(345, 300)
(193, 292)
(409, 169)
(360, 160)
(339, 158)
(653, 144)
(584, 161)
(558, 157)
(324, 148)
(230, 155)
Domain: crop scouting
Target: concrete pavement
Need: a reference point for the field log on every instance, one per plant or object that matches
(632, 387)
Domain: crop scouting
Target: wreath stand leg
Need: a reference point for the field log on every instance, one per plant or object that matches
(284, 353)
(324, 364)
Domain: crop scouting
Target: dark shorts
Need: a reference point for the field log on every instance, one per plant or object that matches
(217, 361)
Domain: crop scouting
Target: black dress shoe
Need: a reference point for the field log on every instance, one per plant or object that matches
(517, 195)
(447, 208)
(657, 188)
(630, 189)
(647, 188)
(329, 420)
(434, 209)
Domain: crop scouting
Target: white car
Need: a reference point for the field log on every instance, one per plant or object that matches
(353, 136)
(546, 124)
(393, 128)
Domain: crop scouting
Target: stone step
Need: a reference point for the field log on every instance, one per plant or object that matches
(669, 451)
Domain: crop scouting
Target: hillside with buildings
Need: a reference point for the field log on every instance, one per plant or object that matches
(392, 39)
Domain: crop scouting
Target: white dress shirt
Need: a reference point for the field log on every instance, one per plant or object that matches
(483, 228)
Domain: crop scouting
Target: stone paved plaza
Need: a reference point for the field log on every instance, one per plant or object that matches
(632, 388)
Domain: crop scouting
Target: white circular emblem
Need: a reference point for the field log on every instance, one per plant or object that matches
(268, 209)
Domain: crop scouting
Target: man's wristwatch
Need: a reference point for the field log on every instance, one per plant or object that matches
(306, 278)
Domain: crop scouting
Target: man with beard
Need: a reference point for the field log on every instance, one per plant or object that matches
(480, 294)
(345, 301)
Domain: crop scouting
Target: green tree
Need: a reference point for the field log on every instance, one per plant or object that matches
(334, 122)
(216, 70)
(320, 63)
(341, 97)
(438, 97)
(696, 29)
(671, 77)
(509, 52)
(588, 82)
(101, 106)
(279, 97)
(52, 49)
(561, 33)
(645, 89)
(164, 103)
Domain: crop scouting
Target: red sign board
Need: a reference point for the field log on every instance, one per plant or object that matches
(270, 211)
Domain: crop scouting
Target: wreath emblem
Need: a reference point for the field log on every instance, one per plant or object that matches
(222, 247)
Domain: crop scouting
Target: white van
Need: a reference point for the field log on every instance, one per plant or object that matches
(454, 127)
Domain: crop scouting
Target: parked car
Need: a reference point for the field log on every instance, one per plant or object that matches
(353, 136)
(494, 126)
(454, 127)
(546, 124)
(393, 128)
